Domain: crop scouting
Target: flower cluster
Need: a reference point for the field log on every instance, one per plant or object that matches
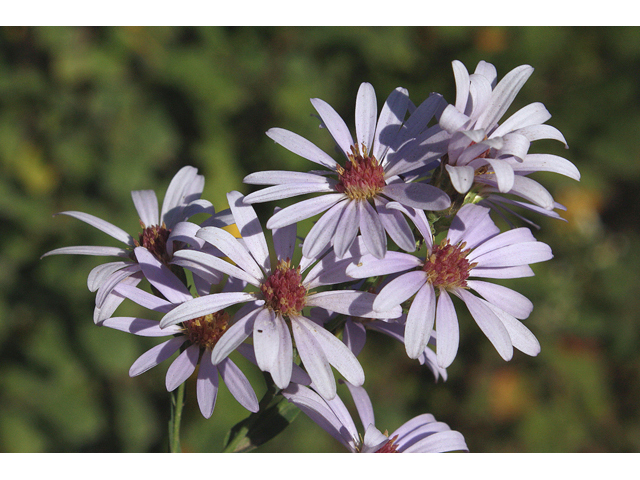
(404, 229)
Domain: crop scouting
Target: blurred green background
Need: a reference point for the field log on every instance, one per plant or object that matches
(89, 114)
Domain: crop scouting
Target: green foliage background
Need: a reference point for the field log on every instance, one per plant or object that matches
(87, 115)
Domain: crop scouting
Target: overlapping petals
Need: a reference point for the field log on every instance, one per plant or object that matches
(497, 311)
(420, 434)
(397, 146)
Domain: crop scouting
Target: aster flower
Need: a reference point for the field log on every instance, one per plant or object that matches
(473, 247)
(421, 434)
(357, 193)
(495, 156)
(181, 201)
(274, 311)
(195, 338)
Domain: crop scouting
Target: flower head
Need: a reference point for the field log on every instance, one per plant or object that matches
(195, 337)
(473, 247)
(422, 434)
(273, 313)
(358, 191)
(494, 157)
(160, 235)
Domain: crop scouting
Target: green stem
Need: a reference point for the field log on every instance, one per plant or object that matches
(177, 402)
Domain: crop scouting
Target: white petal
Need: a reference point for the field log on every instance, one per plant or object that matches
(335, 124)
(420, 321)
(304, 209)
(250, 229)
(182, 367)
(373, 234)
(301, 146)
(366, 115)
(461, 177)
(106, 227)
(146, 204)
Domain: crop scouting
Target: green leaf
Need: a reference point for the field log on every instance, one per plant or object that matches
(258, 428)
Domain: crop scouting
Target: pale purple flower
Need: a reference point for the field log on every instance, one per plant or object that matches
(494, 156)
(356, 194)
(195, 338)
(159, 236)
(473, 247)
(421, 434)
(274, 311)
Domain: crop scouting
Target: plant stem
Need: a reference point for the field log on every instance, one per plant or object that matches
(177, 402)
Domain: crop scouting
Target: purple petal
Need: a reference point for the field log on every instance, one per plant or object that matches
(161, 277)
(278, 192)
(316, 408)
(448, 330)
(234, 336)
(399, 289)
(503, 95)
(266, 340)
(210, 267)
(533, 114)
(504, 174)
(184, 232)
(418, 195)
(140, 326)
(200, 306)
(101, 273)
(185, 187)
(349, 302)
(514, 255)
(391, 118)
(523, 187)
(335, 124)
(418, 218)
(510, 301)
(304, 209)
(420, 321)
(542, 132)
(452, 120)
(363, 404)
(515, 145)
(336, 352)
(473, 225)
(250, 229)
(440, 442)
(541, 162)
(114, 299)
(461, 177)
(505, 272)
(521, 336)
(233, 249)
(461, 76)
(90, 250)
(238, 385)
(322, 232)
(373, 234)
(207, 385)
(347, 228)
(488, 322)
(393, 262)
(154, 356)
(396, 225)
(314, 359)
(354, 336)
(182, 367)
(114, 280)
(301, 146)
(280, 177)
(285, 240)
(145, 299)
(146, 204)
(106, 227)
(366, 114)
